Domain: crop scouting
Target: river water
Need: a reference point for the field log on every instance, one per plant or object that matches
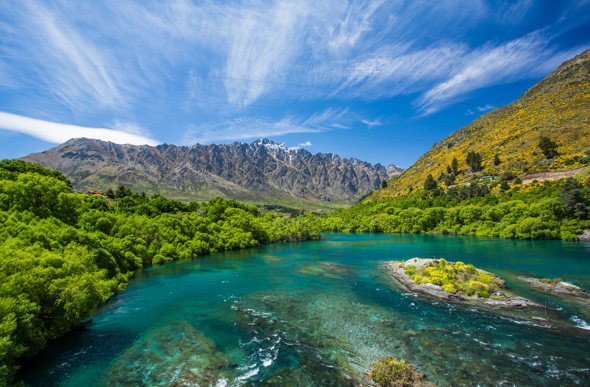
(319, 313)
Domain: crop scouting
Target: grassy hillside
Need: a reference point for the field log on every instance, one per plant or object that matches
(557, 107)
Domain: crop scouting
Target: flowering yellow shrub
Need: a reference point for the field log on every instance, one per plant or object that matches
(455, 278)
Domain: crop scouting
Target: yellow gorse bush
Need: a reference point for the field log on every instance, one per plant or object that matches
(453, 278)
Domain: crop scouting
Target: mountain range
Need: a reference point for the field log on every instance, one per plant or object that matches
(260, 172)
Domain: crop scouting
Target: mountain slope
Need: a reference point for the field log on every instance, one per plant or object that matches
(557, 107)
(256, 172)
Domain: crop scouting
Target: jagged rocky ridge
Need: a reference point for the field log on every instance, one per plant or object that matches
(250, 172)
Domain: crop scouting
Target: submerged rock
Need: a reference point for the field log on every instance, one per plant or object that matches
(174, 355)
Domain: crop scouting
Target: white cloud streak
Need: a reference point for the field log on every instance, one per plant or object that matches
(60, 133)
(261, 127)
(372, 123)
(80, 71)
(305, 144)
(521, 58)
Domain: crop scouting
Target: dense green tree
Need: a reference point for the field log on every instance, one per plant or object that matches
(455, 166)
(574, 198)
(384, 184)
(548, 147)
(449, 179)
(474, 161)
(110, 193)
(430, 183)
(122, 192)
(497, 160)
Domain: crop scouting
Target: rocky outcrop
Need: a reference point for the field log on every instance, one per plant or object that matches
(585, 237)
(557, 287)
(260, 170)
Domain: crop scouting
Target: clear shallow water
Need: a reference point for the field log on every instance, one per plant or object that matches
(318, 314)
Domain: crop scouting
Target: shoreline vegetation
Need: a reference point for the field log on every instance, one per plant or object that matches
(63, 253)
(555, 209)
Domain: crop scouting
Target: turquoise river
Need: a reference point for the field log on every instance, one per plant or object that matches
(319, 313)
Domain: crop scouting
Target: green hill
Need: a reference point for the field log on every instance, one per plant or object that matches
(558, 107)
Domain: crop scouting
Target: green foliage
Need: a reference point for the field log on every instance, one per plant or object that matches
(537, 211)
(384, 184)
(575, 199)
(455, 278)
(551, 281)
(474, 161)
(548, 147)
(455, 166)
(497, 160)
(63, 253)
(390, 372)
(110, 193)
(449, 179)
(430, 183)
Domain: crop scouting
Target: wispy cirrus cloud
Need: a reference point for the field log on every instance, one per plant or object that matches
(73, 67)
(58, 133)
(370, 123)
(523, 58)
(246, 128)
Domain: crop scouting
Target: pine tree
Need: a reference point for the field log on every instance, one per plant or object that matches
(430, 183)
(474, 161)
(496, 160)
(384, 184)
(455, 166)
(548, 147)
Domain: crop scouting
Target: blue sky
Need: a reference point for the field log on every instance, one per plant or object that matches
(381, 81)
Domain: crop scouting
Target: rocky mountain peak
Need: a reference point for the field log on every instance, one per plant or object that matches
(253, 172)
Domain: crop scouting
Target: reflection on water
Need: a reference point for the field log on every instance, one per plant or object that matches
(318, 314)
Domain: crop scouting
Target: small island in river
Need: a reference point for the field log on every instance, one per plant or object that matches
(457, 282)
(454, 282)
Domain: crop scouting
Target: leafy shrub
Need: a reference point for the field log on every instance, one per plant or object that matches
(410, 270)
(548, 147)
(551, 281)
(390, 372)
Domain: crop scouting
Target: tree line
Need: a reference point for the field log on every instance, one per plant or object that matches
(62, 253)
(549, 210)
